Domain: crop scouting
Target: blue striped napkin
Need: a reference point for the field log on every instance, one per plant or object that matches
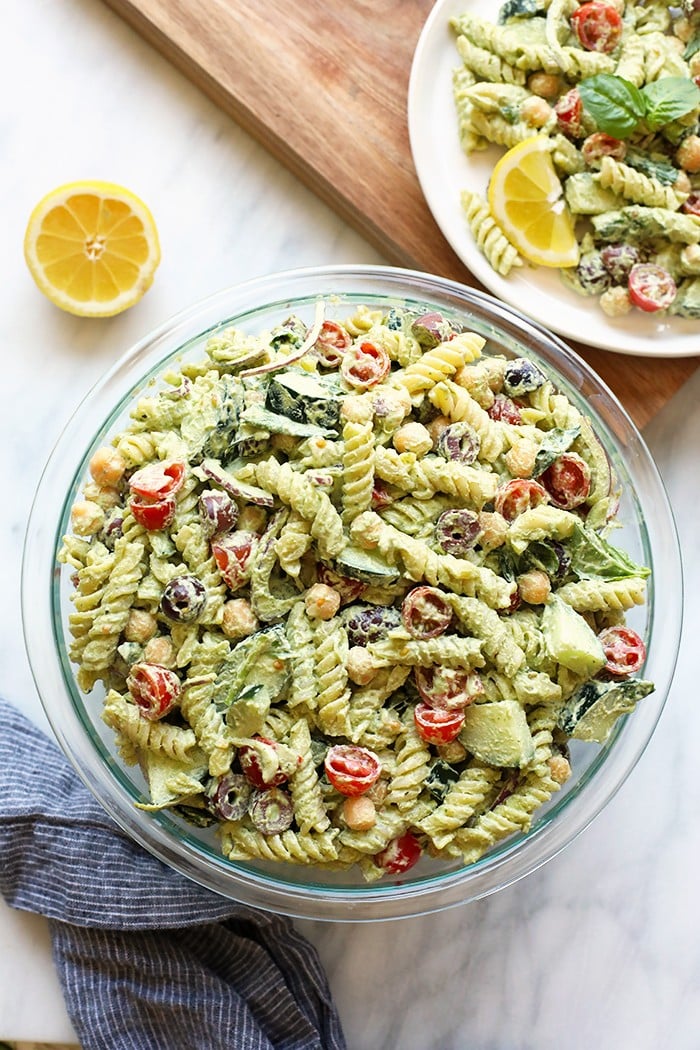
(147, 959)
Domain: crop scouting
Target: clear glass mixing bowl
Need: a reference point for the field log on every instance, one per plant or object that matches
(648, 534)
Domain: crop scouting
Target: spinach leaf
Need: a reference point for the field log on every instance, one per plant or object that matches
(616, 105)
(519, 9)
(555, 441)
(593, 558)
(655, 167)
(440, 779)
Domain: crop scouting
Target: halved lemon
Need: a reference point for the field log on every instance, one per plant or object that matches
(92, 248)
(526, 200)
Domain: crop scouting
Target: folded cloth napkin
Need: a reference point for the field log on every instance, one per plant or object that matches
(147, 959)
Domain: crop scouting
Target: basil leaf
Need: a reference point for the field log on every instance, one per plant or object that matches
(668, 99)
(593, 558)
(616, 105)
(691, 47)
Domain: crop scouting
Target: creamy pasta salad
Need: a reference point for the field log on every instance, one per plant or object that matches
(348, 590)
(613, 85)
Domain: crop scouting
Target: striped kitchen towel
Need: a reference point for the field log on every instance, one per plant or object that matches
(147, 959)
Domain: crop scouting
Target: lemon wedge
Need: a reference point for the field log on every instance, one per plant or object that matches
(92, 248)
(525, 198)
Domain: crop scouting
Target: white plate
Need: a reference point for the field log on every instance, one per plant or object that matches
(444, 170)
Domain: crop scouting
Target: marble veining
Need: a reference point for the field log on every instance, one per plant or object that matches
(599, 948)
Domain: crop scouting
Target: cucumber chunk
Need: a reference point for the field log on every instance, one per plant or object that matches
(498, 733)
(569, 639)
(592, 710)
(304, 399)
(363, 565)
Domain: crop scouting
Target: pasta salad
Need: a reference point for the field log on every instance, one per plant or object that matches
(613, 88)
(348, 589)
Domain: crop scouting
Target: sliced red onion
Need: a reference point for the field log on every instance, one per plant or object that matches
(309, 342)
(211, 470)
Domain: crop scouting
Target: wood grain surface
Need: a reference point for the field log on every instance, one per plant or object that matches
(322, 84)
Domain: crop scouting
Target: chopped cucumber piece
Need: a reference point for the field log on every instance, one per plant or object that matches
(591, 712)
(498, 733)
(569, 639)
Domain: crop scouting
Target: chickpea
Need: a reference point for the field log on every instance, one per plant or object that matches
(359, 813)
(413, 437)
(616, 302)
(688, 153)
(520, 459)
(140, 627)
(534, 587)
(396, 399)
(239, 620)
(493, 530)
(283, 443)
(107, 466)
(161, 651)
(683, 29)
(436, 427)
(252, 519)
(322, 602)
(455, 751)
(86, 518)
(356, 409)
(559, 769)
(103, 496)
(546, 85)
(682, 183)
(360, 666)
(366, 530)
(690, 258)
(535, 111)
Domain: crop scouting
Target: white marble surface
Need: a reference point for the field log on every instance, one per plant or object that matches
(602, 946)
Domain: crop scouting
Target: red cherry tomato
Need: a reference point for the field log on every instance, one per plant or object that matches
(598, 26)
(519, 495)
(651, 287)
(505, 409)
(437, 725)
(447, 687)
(153, 516)
(158, 480)
(365, 365)
(600, 145)
(232, 555)
(351, 770)
(400, 855)
(568, 481)
(154, 689)
(624, 650)
(425, 612)
(691, 205)
(332, 342)
(568, 112)
(252, 765)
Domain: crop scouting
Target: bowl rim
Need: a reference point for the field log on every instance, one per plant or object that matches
(519, 856)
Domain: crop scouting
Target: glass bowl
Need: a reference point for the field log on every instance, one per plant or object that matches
(648, 534)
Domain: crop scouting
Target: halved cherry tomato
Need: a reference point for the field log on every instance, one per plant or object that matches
(505, 409)
(425, 612)
(447, 687)
(153, 516)
(252, 765)
(158, 480)
(437, 725)
(651, 287)
(365, 365)
(232, 555)
(351, 770)
(568, 112)
(519, 495)
(348, 589)
(624, 650)
(598, 26)
(400, 855)
(331, 343)
(691, 205)
(568, 481)
(600, 145)
(154, 689)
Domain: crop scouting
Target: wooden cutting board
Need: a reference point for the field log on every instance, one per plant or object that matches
(323, 84)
